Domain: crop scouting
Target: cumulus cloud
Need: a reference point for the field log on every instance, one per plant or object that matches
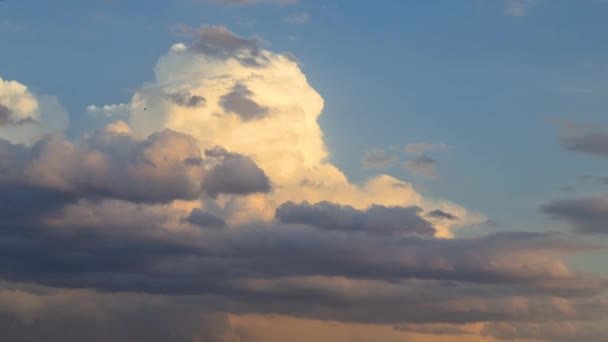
(234, 174)
(377, 158)
(586, 214)
(116, 164)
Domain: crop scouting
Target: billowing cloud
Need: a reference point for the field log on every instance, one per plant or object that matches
(377, 158)
(234, 174)
(586, 214)
(116, 164)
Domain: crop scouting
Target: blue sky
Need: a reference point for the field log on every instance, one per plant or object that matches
(512, 90)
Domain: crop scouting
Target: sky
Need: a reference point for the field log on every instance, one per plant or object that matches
(303, 170)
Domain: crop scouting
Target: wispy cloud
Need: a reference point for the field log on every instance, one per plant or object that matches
(519, 8)
(298, 18)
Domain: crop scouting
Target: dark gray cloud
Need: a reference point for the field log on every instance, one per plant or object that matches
(376, 219)
(186, 100)
(586, 214)
(589, 141)
(221, 43)
(164, 167)
(205, 219)
(234, 174)
(238, 102)
(423, 165)
(377, 158)
(440, 214)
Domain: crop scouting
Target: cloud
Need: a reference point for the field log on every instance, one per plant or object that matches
(186, 100)
(423, 165)
(298, 18)
(26, 117)
(375, 219)
(234, 174)
(587, 214)
(238, 102)
(205, 219)
(421, 148)
(115, 164)
(519, 8)
(586, 140)
(220, 43)
(440, 214)
(7, 120)
(377, 158)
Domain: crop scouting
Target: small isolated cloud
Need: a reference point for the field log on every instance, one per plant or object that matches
(423, 165)
(591, 141)
(377, 158)
(519, 8)
(298, 18)
(420, 148)
(587, 214)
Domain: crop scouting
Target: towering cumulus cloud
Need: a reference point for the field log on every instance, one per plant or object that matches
(206, 209)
